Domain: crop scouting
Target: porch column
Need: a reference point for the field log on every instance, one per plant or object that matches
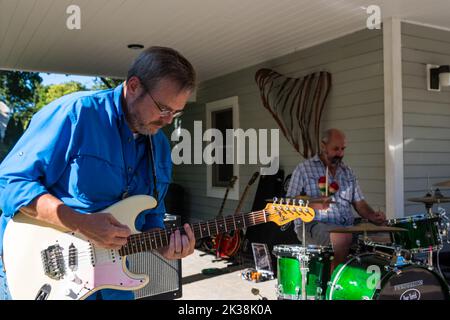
(393, 117)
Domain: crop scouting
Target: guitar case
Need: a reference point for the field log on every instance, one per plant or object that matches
(269, 233)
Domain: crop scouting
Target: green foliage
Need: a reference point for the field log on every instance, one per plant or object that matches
(18, 89)
(47, 94)
(102, 83)
(24, 94)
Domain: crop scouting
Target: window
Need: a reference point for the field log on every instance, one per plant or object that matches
(222, 115)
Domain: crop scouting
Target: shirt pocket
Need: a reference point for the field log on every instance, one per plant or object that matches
(95, 179)
(346, 190)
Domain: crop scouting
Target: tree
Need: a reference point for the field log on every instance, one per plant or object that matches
(24, 93)
(18, 89)
(47, 94)
(102, 83)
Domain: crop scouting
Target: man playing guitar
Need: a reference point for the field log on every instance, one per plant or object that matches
(88, 150)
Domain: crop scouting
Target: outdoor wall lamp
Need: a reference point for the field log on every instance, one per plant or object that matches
(437, 76)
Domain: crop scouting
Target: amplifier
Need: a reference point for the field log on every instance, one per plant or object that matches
(165, 275)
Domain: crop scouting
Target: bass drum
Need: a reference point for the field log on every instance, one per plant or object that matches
(369, 277)
(441, 261)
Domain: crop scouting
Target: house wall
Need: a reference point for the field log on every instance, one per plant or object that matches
(426, 114)
(355, 105)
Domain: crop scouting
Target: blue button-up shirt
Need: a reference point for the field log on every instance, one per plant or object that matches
(80, 149)
(306, 176)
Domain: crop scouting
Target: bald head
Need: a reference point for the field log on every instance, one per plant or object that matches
(332, 134)
(332, 145)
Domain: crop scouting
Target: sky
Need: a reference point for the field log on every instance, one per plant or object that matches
(55, 78)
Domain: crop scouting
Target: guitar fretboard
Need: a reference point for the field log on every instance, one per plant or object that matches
(148, 241)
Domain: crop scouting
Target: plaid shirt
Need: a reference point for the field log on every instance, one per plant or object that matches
(307, 175)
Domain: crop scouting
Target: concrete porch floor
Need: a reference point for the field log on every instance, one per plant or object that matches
(225, 285)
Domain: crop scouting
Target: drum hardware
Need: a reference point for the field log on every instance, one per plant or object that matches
(304, 259)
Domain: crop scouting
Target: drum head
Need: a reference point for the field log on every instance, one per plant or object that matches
(413, 283)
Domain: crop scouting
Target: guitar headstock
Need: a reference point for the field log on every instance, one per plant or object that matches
(283, 211)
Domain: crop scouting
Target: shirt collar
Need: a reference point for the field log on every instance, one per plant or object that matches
(118, 91)
(316, 158)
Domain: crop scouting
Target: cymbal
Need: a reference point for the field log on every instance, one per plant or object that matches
(443, 184)
(366, 227)
(430, 200)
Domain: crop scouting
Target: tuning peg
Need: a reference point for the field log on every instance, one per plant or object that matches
(307, 203)
(301, 203)
(275, 199)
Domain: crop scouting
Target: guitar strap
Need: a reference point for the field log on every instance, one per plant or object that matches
(151, 157)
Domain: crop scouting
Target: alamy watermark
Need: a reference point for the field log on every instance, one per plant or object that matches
(231, 149)
(374, 20)
(73, 21)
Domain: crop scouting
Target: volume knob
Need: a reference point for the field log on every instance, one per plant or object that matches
(74, 278)
(69, 293)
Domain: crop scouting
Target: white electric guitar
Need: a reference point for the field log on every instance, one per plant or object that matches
(45, 262)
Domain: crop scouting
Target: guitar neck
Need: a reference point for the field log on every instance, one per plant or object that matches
(148, 241)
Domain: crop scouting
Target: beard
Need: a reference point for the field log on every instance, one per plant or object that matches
(336, 160)
(134, 120)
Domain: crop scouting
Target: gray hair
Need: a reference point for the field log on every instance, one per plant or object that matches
(157, 63)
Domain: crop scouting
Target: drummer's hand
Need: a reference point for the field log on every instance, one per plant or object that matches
(378, 217)
(324, 205)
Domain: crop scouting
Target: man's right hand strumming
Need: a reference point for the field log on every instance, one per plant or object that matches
(103, 230)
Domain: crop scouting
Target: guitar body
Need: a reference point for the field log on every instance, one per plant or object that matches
(228, 244)
(37, 260)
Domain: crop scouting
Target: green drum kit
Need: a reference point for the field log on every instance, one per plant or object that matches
(407, 265)
(289, 265)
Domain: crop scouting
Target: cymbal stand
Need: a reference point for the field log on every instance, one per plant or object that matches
(444, 224)
(303, 256)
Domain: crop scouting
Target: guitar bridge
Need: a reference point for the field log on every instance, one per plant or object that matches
(53, 262)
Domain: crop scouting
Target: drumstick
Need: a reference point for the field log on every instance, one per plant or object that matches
(326, 183)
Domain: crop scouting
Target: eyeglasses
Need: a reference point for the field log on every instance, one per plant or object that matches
(163, 110)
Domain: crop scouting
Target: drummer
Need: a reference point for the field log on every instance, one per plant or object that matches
(343, 189)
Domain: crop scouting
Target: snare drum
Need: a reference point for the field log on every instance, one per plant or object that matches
(370, 276)
(423, 233)
(289, 274)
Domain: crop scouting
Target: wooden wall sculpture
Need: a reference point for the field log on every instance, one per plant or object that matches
(296, 104)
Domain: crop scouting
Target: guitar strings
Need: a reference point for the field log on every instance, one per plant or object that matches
(101, 254)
